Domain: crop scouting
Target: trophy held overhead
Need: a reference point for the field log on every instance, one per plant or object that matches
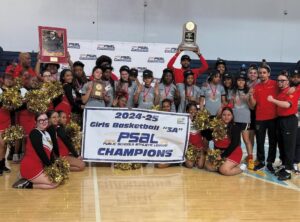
(189, 35)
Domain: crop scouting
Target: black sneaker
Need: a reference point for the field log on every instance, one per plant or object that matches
(270, 168)
(259, 166)
(284, 175)
(6, 170)
(22, 184)
(278, 172)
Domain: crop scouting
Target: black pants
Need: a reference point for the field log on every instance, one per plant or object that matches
(297, 148)
(261, 128)
(287, 138)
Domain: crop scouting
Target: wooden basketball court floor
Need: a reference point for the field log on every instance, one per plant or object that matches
(102, 193)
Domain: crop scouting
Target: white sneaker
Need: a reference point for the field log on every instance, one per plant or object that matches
(243, 166)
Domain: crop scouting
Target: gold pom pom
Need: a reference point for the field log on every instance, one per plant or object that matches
(18, 82)
(53, 89)
(212, 157)
(12, 134)
(218, 127)
(201, 120)
(157, 108)
(127, 166)
(58, 172)
(192, 154)
(11, 98)
(74, 133)
(37, 101)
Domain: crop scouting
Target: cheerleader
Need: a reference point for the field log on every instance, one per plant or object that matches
(39, 153)
(195, 139)
(188, 91)
(167, 89)
(241, 113)
(24, 117)
(147, 96)
(230, 147)
(88, 99)
(64, 145)
(5, 122)
(68, 103)
(126, 84)
(62, 118)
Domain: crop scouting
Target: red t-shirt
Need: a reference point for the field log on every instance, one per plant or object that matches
(291, 98)
(178, 73)
(18, 70)
(265, 110)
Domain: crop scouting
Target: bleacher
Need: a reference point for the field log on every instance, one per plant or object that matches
(7, 57)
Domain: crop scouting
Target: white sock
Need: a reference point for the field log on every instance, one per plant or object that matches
(243, 166)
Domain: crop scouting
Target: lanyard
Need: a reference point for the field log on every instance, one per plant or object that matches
(146, 94)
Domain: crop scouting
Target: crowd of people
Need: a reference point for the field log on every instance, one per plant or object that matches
(249, 103)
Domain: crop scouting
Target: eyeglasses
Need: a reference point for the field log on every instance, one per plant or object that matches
(42, 120)
(281, 80)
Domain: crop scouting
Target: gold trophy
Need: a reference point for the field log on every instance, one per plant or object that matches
(97, 90)
(189, 35)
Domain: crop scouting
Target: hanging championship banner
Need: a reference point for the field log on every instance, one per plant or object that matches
(143, 136)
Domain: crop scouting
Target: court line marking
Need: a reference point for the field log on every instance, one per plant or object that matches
(96, 195)
(288, 184)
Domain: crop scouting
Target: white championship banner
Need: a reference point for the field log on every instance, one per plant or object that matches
(136, 135)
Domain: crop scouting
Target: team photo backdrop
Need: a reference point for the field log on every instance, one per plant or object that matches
(123, 135)
(153, 56)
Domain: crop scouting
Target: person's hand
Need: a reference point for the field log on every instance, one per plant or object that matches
(270, 98)
(251, 92)
(115, 102)
(38, 57)
(191, 98)
(139, 85)
(82, 106)
(179, 51)
(68, 56)
(197, 51)
(80, 158)
(156, 88)
(291, 90)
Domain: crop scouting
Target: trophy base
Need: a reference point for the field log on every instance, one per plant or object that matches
(185, 47)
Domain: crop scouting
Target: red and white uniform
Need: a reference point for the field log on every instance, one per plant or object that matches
(65, 106)
(235, 156)
(5, 120)
(31, 165)
(195, 138)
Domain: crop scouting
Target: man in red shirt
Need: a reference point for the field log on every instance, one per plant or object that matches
(185, 62)
(265, 117)
(24, 65)
(287, 107)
